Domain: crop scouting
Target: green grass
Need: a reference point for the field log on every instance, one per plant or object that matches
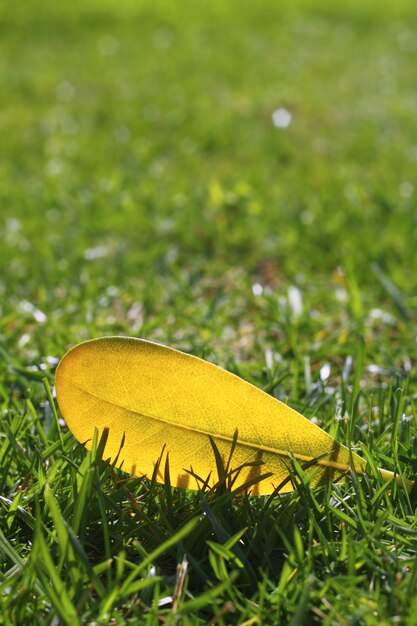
(145, 191)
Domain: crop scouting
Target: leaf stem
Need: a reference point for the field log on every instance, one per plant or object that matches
(387, 476)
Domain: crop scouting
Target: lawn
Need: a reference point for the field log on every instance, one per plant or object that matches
(146, 191)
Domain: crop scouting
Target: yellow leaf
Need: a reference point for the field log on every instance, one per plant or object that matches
(152, 398)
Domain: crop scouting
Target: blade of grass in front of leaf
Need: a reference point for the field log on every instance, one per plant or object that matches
(152, 396)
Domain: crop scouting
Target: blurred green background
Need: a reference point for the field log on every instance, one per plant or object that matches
(145, 189)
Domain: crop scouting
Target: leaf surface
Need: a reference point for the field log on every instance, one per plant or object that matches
(155, 398)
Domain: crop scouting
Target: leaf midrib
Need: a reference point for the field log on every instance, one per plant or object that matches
(255, 446)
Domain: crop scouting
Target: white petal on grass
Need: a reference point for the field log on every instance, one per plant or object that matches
(378, 370)
(257, 289)
(347, 368)
(382, 316)
(341, 294)
(281, 118)
(29, 308)
(295, 301)
(24, 339)
(95, 253)
(135, 316)
(325, 372)
(269, 359)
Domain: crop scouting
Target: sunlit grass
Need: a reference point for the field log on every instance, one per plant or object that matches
(145, 191)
